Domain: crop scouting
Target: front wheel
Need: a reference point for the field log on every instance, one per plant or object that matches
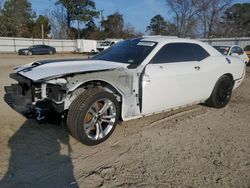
(222, 92)
(93, 116)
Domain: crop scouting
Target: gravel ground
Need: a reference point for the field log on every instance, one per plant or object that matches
(192, 147)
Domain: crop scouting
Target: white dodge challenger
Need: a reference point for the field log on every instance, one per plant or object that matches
(133, 78)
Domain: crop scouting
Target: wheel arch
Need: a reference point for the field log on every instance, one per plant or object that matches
(230, 76)
(216, 81)
(211, 101)
(98, 83)
(102, 84)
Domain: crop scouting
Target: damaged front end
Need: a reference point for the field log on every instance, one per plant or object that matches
(35, 100)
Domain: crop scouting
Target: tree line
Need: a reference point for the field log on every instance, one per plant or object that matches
(206, 18)
(73, 19)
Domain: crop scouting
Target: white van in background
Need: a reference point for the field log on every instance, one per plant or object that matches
(87, 46)
(103, 45)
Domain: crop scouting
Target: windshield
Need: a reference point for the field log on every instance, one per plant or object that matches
(34, 46)
(132, 51)
(105, 43)
(223, 49)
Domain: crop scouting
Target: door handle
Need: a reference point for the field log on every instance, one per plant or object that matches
(197, 68)
(146, 78)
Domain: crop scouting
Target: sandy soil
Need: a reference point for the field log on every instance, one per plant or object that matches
(192, 147)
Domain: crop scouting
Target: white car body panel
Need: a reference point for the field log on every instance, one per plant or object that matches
(187, 84)
(53, 69)
(167, 76)
(163, 86)
(180, 83)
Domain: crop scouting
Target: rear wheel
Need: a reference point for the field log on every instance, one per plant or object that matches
(93, 116)
(30, 53)
(222, 92)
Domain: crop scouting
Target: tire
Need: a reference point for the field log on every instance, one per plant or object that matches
(51, 52)
(88, 121)
(30, 53)
(222, 92)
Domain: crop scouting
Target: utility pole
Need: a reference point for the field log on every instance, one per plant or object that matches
(78, 29)
(42, 33)
(100, 19)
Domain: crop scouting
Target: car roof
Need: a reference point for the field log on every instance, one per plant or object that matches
(162, 40)
(167, 39)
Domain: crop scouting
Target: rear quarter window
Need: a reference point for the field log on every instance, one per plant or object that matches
(199, 52)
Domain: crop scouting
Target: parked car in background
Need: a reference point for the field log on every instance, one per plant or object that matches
(131, 79)
(37, 50)
(247, 51)
(103, 45)
(233, 51)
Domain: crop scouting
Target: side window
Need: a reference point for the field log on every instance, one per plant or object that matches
(179, 52)
(234, 50)
(199, 52)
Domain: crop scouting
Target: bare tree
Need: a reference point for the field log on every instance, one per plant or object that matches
(130, 32)
(58, 23)
(210, 15)
(185, 15)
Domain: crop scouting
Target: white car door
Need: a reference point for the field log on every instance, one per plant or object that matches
(173, 78)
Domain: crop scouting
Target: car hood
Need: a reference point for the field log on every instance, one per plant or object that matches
(55, 68)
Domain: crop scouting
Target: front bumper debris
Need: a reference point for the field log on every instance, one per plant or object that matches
(21, 101)
(15, 98)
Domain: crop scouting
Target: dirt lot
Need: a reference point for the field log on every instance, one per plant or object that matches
(193, 147)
